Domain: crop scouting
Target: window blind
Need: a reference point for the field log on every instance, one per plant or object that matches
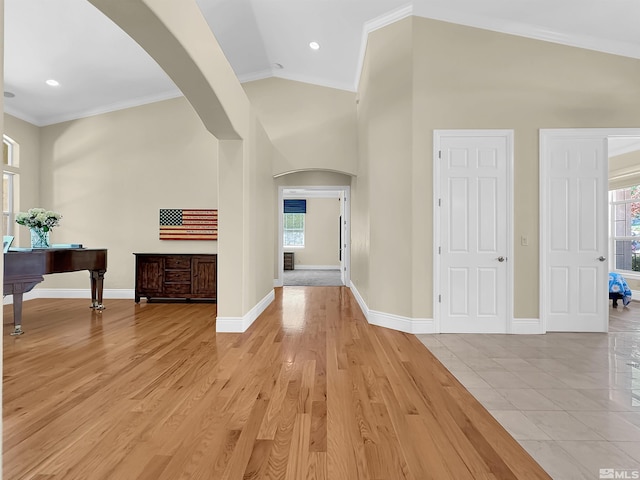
(295, 206)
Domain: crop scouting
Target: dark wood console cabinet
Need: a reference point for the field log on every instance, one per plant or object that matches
(176, 275)
(289, 263)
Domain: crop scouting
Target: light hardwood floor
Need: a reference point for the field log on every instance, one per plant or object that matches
(310, 391)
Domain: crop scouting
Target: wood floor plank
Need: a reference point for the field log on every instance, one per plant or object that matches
(298, 459)
(310, 391)
(317, 466)
(318, 433)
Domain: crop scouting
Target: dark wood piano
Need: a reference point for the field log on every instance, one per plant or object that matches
(24, 269)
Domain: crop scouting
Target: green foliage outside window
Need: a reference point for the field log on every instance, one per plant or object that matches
(293, 224)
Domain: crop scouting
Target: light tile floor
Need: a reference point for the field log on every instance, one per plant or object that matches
(572, 400)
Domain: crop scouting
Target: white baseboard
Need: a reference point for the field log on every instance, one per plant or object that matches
(427, 325)
(113, 293)
(527, 326)
(360, 300)
(240, 324)
(394, 322)
(8, 300)
(403, 324)
(277, 282)
(316, 267)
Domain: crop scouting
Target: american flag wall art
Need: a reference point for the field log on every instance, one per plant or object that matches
(193, 224)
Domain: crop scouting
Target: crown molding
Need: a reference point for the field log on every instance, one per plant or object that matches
(460, 18)
(296, 77)
(136, 102)
(21, 115)
(253, 76)
(375, 24)
(493, 24)
(322, 82)
(630, 145)
(534, 32)
(418, 8)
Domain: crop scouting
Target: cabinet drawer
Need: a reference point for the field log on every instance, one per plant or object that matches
(180, 276)
(177, 262)
(177, 288)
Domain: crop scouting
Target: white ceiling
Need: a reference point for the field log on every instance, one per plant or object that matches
(101, 69)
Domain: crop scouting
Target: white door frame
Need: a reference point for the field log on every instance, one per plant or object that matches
(545, 136)
(342, 192)
(509, 136)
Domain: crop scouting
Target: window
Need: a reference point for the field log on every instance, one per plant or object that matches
(294, 229)
(293, 222)
(625, 227)
(9, 184)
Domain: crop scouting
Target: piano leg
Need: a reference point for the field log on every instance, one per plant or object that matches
(17, 314)
(97, 282)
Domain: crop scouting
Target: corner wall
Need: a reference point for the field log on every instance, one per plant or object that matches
(471, 78)
(382, 243)
(312, 127)
(420, 75)
(109, 175)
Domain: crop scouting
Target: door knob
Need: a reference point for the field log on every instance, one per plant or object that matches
(601, 258)
(501, 259)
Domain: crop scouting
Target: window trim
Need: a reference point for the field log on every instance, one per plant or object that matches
(614, 238)
(304, 231)
(12, 170)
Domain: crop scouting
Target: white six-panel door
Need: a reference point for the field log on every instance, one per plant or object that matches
(573, 277)
(472, 257)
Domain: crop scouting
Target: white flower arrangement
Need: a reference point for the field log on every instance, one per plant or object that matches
(38, 218)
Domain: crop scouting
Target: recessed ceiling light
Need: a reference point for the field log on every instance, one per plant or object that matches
(52, 83)
(9, 94)
(314, 45)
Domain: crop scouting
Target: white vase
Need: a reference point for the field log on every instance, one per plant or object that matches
(39, 238)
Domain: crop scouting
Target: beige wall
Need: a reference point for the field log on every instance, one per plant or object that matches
(462, 77)
(109, 175)
(263, 212)
(634, 284)
(485, 79)
(384, 190)
(314, 178)
(311, 126)
(322, 236)
(246, 213)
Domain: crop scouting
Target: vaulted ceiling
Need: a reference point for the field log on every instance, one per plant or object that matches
(99, 68)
